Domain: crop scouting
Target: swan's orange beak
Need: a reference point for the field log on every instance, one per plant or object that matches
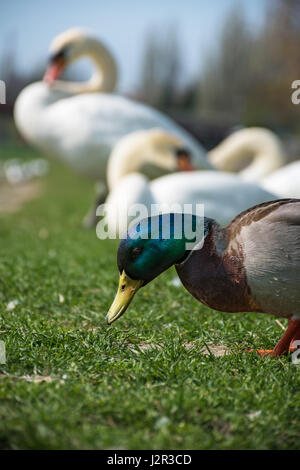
(183, 158)
(184, 164)
(54, 70)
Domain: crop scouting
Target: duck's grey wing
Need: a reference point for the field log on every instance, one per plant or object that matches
(269, 235)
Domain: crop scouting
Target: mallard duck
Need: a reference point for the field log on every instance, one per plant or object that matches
(252, 265)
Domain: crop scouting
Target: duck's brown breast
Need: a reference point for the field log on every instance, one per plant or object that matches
(218, 279)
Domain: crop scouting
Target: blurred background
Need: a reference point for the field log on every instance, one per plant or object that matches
(212, 66)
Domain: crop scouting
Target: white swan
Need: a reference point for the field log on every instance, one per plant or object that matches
(223, 194)
(260, 145)
(267, 156)
(151, 152)
(81, 122)
(140, 150)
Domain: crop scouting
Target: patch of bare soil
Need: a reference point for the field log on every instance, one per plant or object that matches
(13, 197)
(216, 350)
(211, 349)
(29, 378)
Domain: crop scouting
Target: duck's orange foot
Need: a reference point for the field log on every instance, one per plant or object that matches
(262, 352)
(270, 352)
(288, 343)
(265, 352)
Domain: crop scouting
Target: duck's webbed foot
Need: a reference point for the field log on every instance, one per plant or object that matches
(286, 344)
(90, 219)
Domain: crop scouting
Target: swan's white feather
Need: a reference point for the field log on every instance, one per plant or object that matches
(82, 129)
(285, 181)
(224, 195)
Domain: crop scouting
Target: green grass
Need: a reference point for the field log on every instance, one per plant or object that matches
(106, 390)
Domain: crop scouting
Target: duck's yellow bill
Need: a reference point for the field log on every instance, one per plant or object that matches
(127, 288)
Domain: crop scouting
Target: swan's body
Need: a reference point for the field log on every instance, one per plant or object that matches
(82, 130)
(136, 151)
(224, 195)
(261, 145)
(80, 123)
(268, 160)
(285, 181)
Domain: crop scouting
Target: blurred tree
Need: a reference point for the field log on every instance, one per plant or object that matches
(148, 73)
(161, 69)
(249, 75)
(15, 81)
(227, 76)
(276, 60)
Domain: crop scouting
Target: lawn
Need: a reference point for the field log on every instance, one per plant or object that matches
(71, 381)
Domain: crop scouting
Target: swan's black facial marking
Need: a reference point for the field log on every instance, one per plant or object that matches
(60, 56)
(182, 152)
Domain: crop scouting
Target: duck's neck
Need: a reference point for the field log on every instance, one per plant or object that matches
(104, 77)
(213, 241)
(261, 146)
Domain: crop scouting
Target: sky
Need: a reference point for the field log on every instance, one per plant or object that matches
(29, 26)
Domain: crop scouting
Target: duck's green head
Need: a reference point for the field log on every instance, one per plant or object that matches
(151, 247)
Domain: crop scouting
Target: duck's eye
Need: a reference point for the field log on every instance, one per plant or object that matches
(136, 252)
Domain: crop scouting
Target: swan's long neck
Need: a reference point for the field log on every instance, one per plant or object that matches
(262, 146)
(104, 77)
(139, 151)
